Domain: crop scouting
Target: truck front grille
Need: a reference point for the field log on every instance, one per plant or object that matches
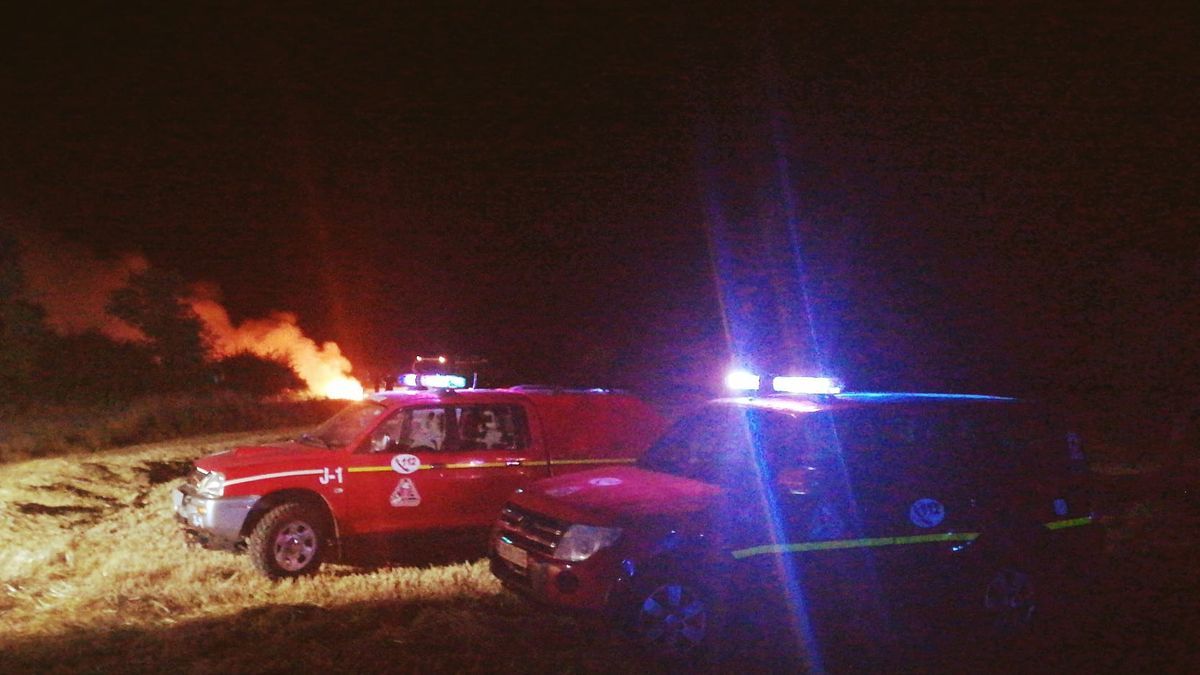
(530, 531)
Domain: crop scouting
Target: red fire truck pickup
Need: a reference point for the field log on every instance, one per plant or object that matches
(402, 468)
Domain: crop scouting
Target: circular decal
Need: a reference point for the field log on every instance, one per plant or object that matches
(405, 463)
(604, 481)
(926, 512)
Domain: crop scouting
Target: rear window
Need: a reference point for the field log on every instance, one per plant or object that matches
(490, 427)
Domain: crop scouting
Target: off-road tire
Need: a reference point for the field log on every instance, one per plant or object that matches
(289, 541)
(674, 620)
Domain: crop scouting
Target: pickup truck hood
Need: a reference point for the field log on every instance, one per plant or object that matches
(246, 458)
(617, 496)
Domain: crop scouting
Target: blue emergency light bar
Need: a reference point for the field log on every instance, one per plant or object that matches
(806, 385)
(434, 381)
(742, 380)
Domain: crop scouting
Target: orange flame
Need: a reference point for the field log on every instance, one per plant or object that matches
(323, 367)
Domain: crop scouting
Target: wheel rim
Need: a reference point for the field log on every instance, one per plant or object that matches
(673, 620)
(1010, 599)
(295, 546)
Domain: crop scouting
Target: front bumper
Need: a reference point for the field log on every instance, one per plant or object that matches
(586, 585)
(215, 522)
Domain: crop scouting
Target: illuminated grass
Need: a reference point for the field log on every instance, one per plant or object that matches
(95, 577)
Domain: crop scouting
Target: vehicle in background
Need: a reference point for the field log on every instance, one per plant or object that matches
(402, 472)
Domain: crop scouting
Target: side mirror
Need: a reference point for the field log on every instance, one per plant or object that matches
(798, 481)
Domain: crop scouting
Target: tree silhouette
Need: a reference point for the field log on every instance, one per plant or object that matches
(153, 302)
(23, 333)
(259, 375)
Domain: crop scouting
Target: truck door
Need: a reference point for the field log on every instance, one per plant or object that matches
(388, 474)
(440, 466)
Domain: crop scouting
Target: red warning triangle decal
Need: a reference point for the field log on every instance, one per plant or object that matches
(405, 494)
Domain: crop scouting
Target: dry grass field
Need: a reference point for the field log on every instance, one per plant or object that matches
(95, 577)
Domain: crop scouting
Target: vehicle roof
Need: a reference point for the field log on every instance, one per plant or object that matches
(401, 397)
(808, 403)
(577, 423)
(396, 397)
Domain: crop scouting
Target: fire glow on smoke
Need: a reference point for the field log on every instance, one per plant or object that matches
(322, 367)
(73, 286)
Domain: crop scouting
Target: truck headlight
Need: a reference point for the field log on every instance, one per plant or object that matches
(211, 485)
(581, 542)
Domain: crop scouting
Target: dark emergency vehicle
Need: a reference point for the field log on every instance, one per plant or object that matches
(403, 469)
(861, 519)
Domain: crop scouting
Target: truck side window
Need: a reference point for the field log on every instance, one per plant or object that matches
(386, 436)
(490, 427)
(410, 430)
(425, 429)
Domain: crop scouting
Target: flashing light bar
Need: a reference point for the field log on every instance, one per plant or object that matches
(742, 380)
(435, 381)
(806, 385)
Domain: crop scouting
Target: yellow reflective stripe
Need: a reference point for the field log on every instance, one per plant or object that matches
(616, 460)
(495, 465)
(1074, 522)
(834, 544)
(423, 467)
(365, 469)
(479, 465)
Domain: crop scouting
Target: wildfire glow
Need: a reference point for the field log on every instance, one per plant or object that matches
(73, 285)
(323, 367)
(346, 387)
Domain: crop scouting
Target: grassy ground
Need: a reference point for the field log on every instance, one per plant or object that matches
(95, 577)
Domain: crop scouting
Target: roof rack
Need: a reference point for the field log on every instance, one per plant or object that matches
(559, 389)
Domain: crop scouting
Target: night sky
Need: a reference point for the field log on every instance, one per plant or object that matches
(911, 195)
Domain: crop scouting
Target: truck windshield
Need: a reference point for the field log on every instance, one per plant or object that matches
(728, 446)
(348, 424)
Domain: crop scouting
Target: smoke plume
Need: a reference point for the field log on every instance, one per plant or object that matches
(323, 368)
(73, 285)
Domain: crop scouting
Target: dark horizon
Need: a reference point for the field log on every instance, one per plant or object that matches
(912, 197)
